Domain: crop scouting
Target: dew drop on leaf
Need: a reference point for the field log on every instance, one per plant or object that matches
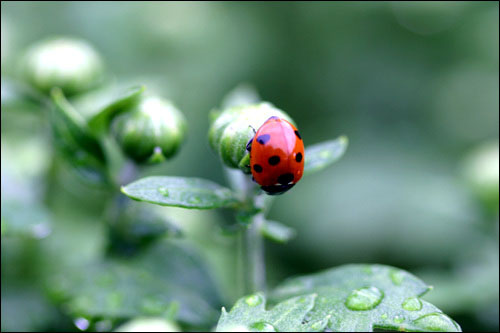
(436, 322)
(163, 191)
(194, 200)
(412, 304)
(364, 299)
(384, 316)
(396, 276)
(398, 319)
(325, 154)
(320, 326)
(253, 300)
(262, 326)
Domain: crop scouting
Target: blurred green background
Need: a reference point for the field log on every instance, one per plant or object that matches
(414, 86)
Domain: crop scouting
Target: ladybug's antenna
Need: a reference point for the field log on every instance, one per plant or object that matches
(254, 131)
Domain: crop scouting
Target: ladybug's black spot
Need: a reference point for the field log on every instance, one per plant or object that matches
(273, 160)
(262, 139)
(285, 178)
(298, 157)
(272, 117)
(276, 189)
(257, 168)
(298, 135)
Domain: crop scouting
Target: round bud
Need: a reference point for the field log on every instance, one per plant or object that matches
(70, 64)
(146, 324)
(151, 131)
(480, 170)
(234, 127)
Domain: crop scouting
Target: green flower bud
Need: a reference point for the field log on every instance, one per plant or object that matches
(480, 170)
(234, 127)
(146, 324)
(70, 64)
(151, 131)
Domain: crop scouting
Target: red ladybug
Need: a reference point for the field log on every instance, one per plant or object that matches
(276, 156)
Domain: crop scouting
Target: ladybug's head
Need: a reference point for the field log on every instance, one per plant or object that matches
(277, 188)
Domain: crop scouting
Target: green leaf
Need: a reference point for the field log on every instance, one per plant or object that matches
(137, 224)
(321, 155)
(79, 146)
(25, 220)
(367, 298)
(249, 314)
(351, 298)
(101, 121)
(183, 192)
(277, 231)
(164, 276)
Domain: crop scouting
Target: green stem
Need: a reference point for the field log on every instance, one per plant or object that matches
(118, 203)
(255, 258)
(251, 261)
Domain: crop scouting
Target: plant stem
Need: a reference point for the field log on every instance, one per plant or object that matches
(255, 258)
(251, 265)
(117, 205)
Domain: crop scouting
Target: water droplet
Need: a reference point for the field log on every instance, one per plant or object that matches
(81, 323)
(222, 193)
(364, 299)
(194, 199)
(163, 191)
(384, 316)
(320, 325)
(262, 326)
(398, 319)
(396, 276)
(325, 154)
(253, 300)
(367, 269)
(412, 304)
(436, 322)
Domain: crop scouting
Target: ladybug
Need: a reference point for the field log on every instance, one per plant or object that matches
(276, 156)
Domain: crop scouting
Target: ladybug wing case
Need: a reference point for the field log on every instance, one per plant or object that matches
(277, 156)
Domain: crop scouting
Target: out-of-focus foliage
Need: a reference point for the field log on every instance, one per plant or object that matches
(413, 85)
(69, 64)
(165, 275)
